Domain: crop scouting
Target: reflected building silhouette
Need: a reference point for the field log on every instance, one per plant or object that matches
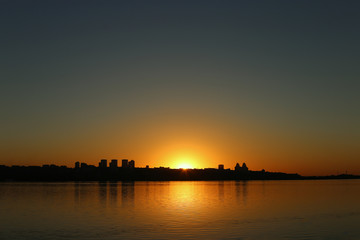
(127, 193)
(147, 189)
(77, 193)
(82, 192)
(113, 193)
(241, 190)
(245, 190)
(221, 190)
(102, 186)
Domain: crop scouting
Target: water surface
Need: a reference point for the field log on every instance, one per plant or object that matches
(319, 209)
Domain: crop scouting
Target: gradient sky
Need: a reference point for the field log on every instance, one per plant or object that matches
(274, 84)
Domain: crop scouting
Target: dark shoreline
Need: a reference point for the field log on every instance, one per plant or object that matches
(64, 174)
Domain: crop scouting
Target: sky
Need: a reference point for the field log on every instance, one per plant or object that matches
(274, 84)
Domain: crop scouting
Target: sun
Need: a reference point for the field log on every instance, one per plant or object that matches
(184, 161)
(184, 165)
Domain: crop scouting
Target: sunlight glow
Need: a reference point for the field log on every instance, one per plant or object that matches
(184, 159)
(185, 165)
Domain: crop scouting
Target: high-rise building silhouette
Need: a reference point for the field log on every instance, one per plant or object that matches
(132, 164)
(114, 163)
(103, 163)
(221, 166)
(124, 163)
(77, 165)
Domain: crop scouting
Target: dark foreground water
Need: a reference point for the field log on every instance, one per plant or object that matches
(328, 209)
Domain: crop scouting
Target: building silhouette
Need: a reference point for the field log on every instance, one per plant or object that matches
(124, 163)
(243, 168)
(114, 163)
(131, 164)
(128, 172)
(103, 163)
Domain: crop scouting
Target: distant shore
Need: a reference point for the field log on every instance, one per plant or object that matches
(61, 173)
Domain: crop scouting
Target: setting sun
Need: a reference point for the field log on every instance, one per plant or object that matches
(186, 160)
(185, 165)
